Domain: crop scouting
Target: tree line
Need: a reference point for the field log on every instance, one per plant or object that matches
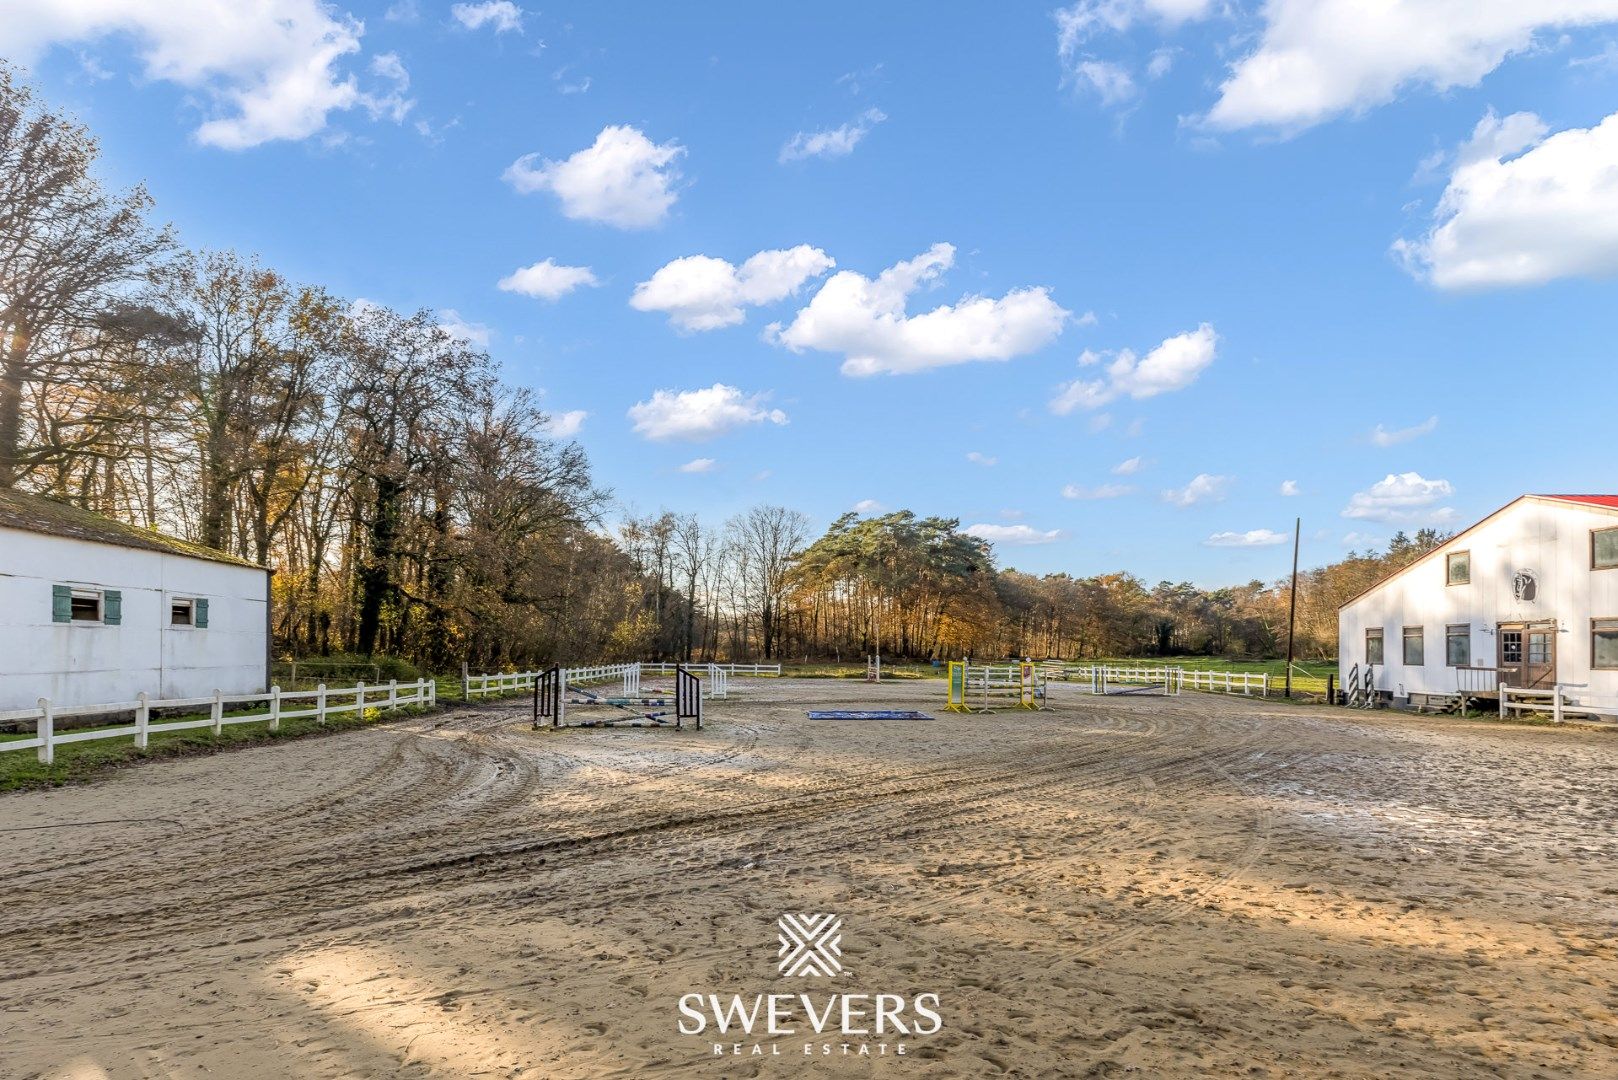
(416, 504)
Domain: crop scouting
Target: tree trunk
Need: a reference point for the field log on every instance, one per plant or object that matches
(376, 569)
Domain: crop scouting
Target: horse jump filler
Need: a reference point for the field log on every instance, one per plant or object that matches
(557, 689)
(986, 687)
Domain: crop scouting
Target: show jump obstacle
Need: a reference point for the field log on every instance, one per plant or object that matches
(986, 687)
(1116, 679)
(573, 697)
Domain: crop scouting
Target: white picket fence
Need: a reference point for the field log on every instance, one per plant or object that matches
(733, 670)
(1213, 682)
(1557, 701)
(1228, 682)
(359, 697)
(473, 686)
(715, 678)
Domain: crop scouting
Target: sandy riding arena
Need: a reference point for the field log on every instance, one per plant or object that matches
(1169, 887)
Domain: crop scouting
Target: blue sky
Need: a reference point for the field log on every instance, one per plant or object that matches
(1195, 251)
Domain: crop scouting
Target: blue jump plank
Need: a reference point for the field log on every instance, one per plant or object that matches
(857, 714)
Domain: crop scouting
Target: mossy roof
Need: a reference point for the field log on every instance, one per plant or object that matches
(39, 514)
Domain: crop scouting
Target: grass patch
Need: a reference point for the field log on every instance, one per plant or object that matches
(78, 762)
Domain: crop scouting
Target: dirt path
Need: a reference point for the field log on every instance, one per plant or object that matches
(1186, 886)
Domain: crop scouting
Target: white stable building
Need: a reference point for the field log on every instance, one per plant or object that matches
(93, 610)
(1527, 597)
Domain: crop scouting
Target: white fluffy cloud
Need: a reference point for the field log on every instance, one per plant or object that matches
(1251, 538)
(547, 280)
(473, 333)
(700, 415)
(1173, 365)
(1381, 436)
(1019, 535)
(1317, 59)
(699, 465)
(1550, 211)
(1290, 488)
(834, 142)
(1203, 488)
(700, 292)
(501, 15)
(623, 179)
(1100, 491)
(1407, 497)
(865, 320)
(271, 69)
(565, 425)
(977, 457)
(1129, 467)
(868, 506)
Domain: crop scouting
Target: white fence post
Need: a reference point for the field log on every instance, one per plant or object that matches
(275, 708)
(143, 718)
(359, 700)
(1556, 703)
(1266, 687)
(432, 691)
(47, 733)
(320, 704)
(216, 712)
(393, 693)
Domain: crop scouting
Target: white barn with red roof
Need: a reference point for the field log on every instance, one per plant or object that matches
(1527, 597)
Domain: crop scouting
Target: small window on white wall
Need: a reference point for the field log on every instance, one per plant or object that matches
(86, 607)
(1604, 644)
(1373, 645)
(1458, 645)
(1415, 646)
(188, 611)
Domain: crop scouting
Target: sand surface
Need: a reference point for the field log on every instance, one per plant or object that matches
(1158, 887)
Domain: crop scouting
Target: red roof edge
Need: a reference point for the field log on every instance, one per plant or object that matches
(1609, 501)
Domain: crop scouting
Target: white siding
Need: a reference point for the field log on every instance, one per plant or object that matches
(1550, 538)
(86, 663)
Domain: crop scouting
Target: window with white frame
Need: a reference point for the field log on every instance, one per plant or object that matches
(1373, 645)
(188, 611)
(79, 605)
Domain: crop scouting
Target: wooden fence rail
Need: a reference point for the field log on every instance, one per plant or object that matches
(324, 701)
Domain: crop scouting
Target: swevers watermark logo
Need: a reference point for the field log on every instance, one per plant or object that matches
(811, 944)
(827, 1024)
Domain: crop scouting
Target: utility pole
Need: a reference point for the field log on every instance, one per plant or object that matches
(1292, 614)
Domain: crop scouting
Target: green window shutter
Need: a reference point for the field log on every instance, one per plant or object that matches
(112, 607)
(61, 603)
(201, 614)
